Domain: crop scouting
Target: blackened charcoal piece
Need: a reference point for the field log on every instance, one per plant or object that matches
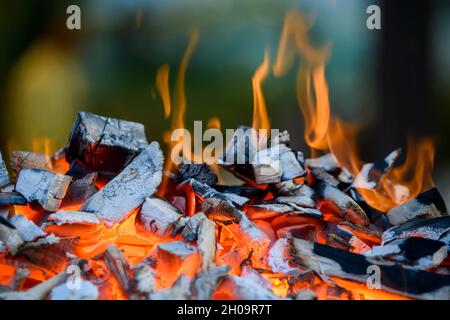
(12, 198)
(160, 217)
(327, 162)
(82, 188)
(266, 210)
(105, 144)
(417, 253)
(428, 204)
(200, 172)
(4, 176)
(241, 147)
(10, 236)
(322, 176)
(243, 191)
(350, 210)
(205, 191)
(371, 173)
(432, 228)
(206, 282)
(119, 267)
(44, 187)
(30, 160)
(332, 262)
(190, 230)
(78, 170)
(128, 190)
(181, 290)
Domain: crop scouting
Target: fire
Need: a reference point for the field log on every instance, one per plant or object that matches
(260, 117)
(162, 84)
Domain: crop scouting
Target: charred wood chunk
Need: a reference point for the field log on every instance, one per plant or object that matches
(10, 237)
(181, 290)
(191, 229)
(417, 253)
(326, 162)
(302, 201)
(333, 262)
(206, 243)
(72, 217)
(371, 173)
(105, 144)
(204, 191)
(241, 147)
(4, 176)
(265, 210)
(279, 257)
(78, 170)
(128, 190)
(85, 290)
(30, 160)
(82, 189)
(433, 228)
(426, 205)
(160, 217)
(324, 177)
(119, 267)
(44, 187)
(200, 172)
(243, 191)
(14, 198)
(245, 288)
(27, 229)
(143, 283)
(206, 283)
(350, 210)
(49, 252)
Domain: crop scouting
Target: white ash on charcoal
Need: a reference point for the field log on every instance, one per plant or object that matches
(105, 144)
(305, 295)
(206, 243)
(279, 257)
(417, 253)
(241, 227)
(192, 225)
(240, 148)
(179, 249)
(301, 201)
(332, 262)
(14, 198)
(30, 160)
(372, 173)
(72, 217)
(428, 204)
(10, 236)
(205, 191)
(324, 177)
(143, 282)
(349, 209)
(276, 164)
(327, 162)
(201, 172)
(344, 239)
(119, 267)
(265, 210)
(181, 290)
(49, 252)
(160, 217)
(433, 228)
(79, 290)
(369, 235)
(128, 190)
(27, 229)
(44, 187)
(242, 288)
(205, 283)
(4, 175)
(290, 188)
(254, 276)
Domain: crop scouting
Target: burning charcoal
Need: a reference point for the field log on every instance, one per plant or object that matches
(265, 210)
(241, 147)
(290, 188)
(276, 164)
(159, 216)
(417, 253)
(28, 231)
(279, 257)
(4, 176)
(206, 243)
(426, 205)
(15, 198)
(243, 191)
(200, 172)
(49, 252)
(177, 248)
(181, 290)
(30, 160)
(72, 217)
(205, 191)
(342, 238)
(128, 189)
(78, 170)
(39, 291)
(205, 283)
(301, 201)
(84, 290)
(327, 162)
(190, 230)
(371, 173)
(367, 235)
(305, 295)
(45, 187)
(324, 177)
(331, 262)
(10, 237)
(350, 210)
(433, 228)
(119, 267)
(105, 144)
(82, 189)
(144, 283)
(242, 288)
(240, 226)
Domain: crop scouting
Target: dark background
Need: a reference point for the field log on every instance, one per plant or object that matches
(395, 80)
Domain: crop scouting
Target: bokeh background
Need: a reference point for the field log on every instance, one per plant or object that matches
(395, 80)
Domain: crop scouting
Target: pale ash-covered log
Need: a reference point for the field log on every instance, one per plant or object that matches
(128, 189)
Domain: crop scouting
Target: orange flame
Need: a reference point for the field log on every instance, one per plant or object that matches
(260, 117)
(162, 84)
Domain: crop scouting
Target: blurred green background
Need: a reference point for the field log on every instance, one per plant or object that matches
(49, 73)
